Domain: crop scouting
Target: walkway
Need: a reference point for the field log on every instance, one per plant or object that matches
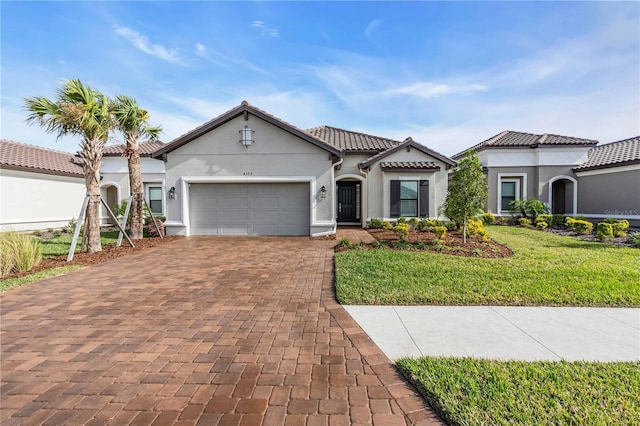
(197, 331)
(523, 333)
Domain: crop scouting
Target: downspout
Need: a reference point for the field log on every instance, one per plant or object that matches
(333, 196)
(365, 173)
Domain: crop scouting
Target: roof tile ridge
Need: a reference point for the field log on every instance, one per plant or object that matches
(42, 148)
(395, 141)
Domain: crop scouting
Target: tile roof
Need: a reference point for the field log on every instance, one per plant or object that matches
(408, 143)
(20, 156)
(146, 148)
(244, 108)
(349, 141)
(409, 165)
(511, 139)
(614, 154)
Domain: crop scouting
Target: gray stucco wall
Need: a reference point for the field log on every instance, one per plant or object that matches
(275, 154)
(610, 194)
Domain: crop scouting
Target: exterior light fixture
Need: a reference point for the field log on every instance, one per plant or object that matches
(246, 138)
(172, 192)
(323, 192)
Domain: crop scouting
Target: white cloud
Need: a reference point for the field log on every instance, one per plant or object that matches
(263, 29)
(142, 43)
(224, 61)
(431, 90)
(371, 29)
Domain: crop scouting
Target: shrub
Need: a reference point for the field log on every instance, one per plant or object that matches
(544, 218)
(581, 227)
(530, 208)
(488, 218)
(451, 225)
(343, 242)
(604, 231)
(542, 225)
(37, 233)
(71, 226)
(502, 220)
(619, 226)
(401, 220)
(440, 231)
(18, 253)
(413, 222)
(634, 238)
(523, 221)
(402, 229)
(556, 220)
(378, 245)
(475, 227)
(579, 217)
(374, 223)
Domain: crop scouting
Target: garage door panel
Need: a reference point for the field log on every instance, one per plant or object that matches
(249, 209)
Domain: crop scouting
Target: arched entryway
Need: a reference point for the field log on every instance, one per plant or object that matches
(349, 205)
(563, 192)
(110, 193)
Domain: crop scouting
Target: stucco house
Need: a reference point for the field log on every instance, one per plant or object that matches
(247, 172)
(609, 181)
(40, 188)
(524, 165)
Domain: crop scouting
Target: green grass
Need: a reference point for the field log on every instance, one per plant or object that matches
(57, 246)
(468, 391)
(37, 276)
(545, 269)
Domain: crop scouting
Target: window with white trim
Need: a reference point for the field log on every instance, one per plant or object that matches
(154, 199)
(510, 190)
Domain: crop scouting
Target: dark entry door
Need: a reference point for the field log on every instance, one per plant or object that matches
(347, 202)
(558, 197)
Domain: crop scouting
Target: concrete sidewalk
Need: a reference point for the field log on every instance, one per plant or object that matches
(522, 333)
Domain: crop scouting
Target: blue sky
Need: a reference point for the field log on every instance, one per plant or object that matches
(449, 74)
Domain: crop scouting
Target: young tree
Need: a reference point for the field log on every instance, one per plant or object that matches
(83, 111)
(132, 121)
(467, 193)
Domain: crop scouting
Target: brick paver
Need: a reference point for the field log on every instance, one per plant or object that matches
(197, 331)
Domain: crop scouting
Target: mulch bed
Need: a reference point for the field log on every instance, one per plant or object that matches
(474, 247)
(108, 252)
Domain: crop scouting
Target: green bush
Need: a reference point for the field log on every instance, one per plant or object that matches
(556, 220)
(541, 225)
(343, 242)
(634, 238)
(544, 218)
(374, 223)
(37, 233)
(488, 218)
(18, 253)
(619, 226)
(451, 225)
(402, 229)
(440, 231)
(579, 217)
(413, 222)
(530, 208)
(502, 220)
(475, 227)
(581, 227)
(523, 221)
(401, 220)
(604, 231)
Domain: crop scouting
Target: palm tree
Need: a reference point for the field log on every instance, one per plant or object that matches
(132, 121)
(83, 111)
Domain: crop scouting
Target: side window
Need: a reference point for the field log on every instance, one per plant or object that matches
(409, 198)
(509, 191)
(154, 196)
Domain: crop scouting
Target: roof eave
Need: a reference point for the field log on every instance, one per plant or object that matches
(606, 166)
(41, 171)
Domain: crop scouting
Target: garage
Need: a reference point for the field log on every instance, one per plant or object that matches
(249, 208)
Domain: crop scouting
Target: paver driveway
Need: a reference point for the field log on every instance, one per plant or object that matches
(201, 330)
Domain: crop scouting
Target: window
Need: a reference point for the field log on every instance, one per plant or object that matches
(509, 191)
(409, 198)
(154, 195)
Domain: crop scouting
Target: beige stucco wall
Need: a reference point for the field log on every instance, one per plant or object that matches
(31, 201)
(276, 155)
(611, 194)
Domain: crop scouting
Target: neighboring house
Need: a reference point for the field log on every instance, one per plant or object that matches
(247, 172)
(40, 188)
(524, 165)
(609, 181)
(114, 186)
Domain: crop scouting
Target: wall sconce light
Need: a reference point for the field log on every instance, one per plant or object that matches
(323, 192)
(172, 192)
(246, 138)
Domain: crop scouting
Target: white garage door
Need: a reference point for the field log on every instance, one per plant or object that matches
(249, 209)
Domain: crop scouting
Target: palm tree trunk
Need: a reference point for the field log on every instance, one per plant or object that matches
(91, 154)
(135, 182)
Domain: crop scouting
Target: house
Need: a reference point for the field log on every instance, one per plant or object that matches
(247, 172)
(524, 165)
(40, 188)
(609, 181)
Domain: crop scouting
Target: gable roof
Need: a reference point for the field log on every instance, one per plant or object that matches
(614, 154)
(21, 156)
(408, 165)
(348, 141)
(243, 108)
(147, 149)
(511, 139)
(409, 142)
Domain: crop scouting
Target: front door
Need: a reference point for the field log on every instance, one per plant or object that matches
(348, 202)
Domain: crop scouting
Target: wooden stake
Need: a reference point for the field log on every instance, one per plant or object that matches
(124, 220)
(76, 232)
(116, 221)
(153, 219)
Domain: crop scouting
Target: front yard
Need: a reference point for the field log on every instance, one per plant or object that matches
(545, 269)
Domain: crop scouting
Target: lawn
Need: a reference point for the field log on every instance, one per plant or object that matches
(56, 246)
(546, 269)
(468, 391)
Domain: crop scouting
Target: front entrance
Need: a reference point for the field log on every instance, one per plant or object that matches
(562, 196)
(348, 202)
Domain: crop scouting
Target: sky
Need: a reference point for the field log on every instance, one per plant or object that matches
(448, 74)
